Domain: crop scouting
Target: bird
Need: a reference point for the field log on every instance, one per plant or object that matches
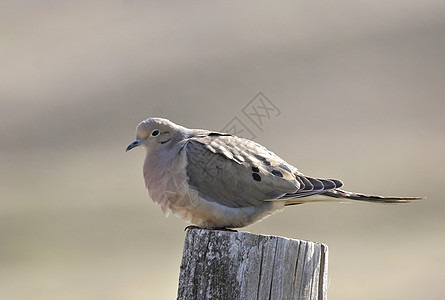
(216, 180)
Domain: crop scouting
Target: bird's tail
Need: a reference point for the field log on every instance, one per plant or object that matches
(337, 195)
(340, 194)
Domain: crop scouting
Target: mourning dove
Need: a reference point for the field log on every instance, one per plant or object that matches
(217, 180)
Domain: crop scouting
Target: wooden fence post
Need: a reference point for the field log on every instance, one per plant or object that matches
(239, 265)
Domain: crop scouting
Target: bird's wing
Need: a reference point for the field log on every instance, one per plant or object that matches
(237, 172)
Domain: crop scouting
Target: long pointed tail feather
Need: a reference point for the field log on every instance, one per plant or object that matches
(341, 194)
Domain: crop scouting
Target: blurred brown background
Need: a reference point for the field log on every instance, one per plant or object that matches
(360, 86)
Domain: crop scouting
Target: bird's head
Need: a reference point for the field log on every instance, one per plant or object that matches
(154, 133)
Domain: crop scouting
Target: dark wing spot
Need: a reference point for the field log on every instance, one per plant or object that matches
(218, 134)
(256, 176)
(277, 173)
(284, 167)
(255, 169)
(263, 159)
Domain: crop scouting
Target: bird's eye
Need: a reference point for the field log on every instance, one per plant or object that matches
(155, 132)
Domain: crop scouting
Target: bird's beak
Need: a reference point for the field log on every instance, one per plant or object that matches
(135, 143)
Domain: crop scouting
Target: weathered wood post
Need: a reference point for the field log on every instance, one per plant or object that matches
(239, 265)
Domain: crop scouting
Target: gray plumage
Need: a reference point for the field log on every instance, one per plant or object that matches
(218, 180)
